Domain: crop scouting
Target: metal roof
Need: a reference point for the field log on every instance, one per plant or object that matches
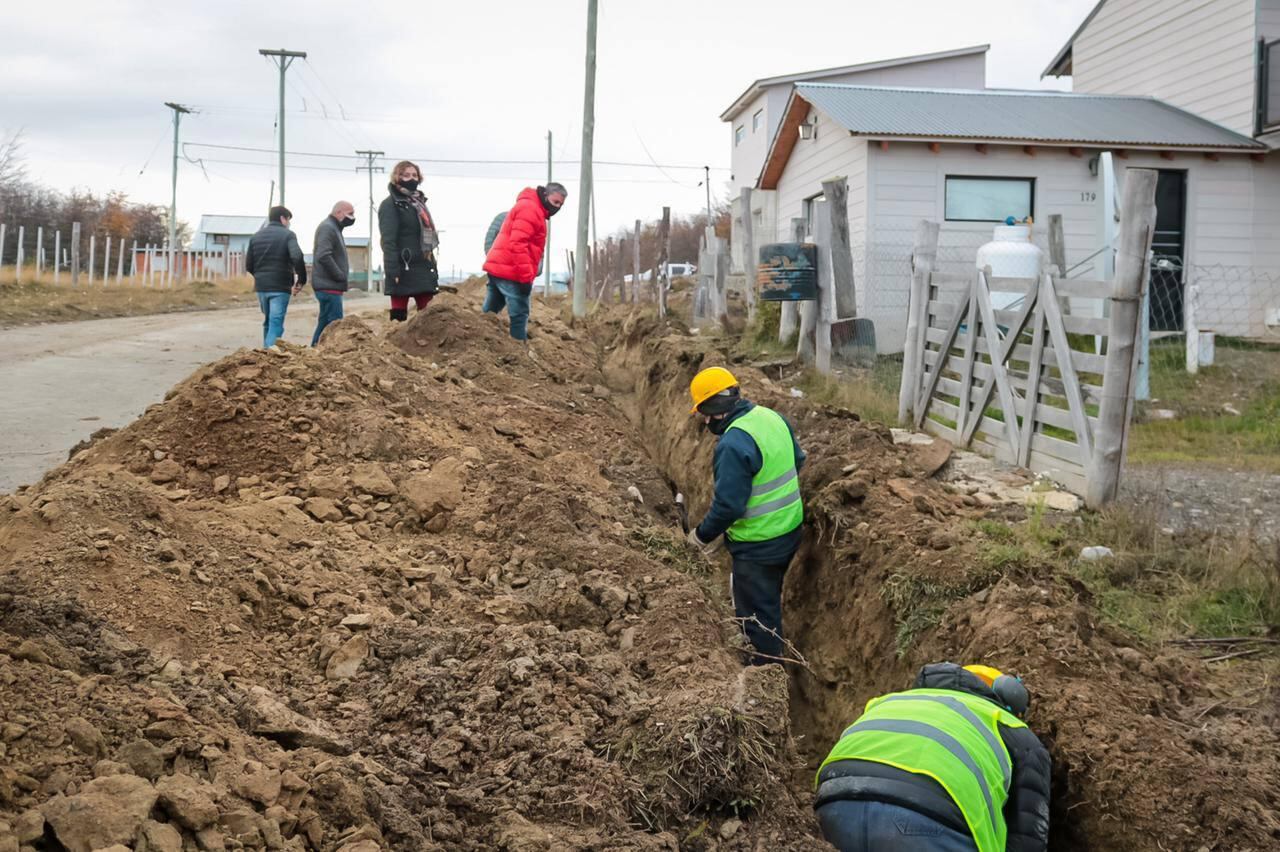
(765, 82)
(232, 225)
(1064, 118)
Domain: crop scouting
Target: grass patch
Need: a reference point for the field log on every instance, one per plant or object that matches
(672, 552)
(1160, 587)
(1245, 378)
(40, 300)
(872, 394)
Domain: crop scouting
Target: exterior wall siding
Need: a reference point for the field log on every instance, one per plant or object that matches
(1269, 19)
(748, 156)
(1195, 54)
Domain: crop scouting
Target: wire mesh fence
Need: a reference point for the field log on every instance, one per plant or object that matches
(1211, 388)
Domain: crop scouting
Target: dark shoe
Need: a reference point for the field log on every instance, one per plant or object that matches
(399, 314)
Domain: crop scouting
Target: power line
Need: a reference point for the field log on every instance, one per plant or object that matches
(460, 161)
(199, 161)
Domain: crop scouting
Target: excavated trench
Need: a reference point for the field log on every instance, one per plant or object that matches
(884, 544)
(417, 550)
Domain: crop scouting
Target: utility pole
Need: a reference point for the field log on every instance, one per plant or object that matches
(283, 59)
(546, 254)
(370, 156)
(706, 181)
(178, 111)
(584, 180)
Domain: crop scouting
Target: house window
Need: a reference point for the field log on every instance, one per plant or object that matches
(1268, 87)
(811, 207)
(989, 199)
(757, 119)
(738, 134)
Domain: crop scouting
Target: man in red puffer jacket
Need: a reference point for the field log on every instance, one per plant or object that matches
(512, 262)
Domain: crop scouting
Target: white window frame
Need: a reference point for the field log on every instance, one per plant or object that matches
(739, 133)
(946, 185)
(757, 119)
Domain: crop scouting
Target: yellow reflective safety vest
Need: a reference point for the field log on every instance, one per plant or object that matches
(775, 507)
(950, 736)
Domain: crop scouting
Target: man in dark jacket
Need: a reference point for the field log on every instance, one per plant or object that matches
(515, 257)
(947, 766)
(275, 261)
(329, 267)
(757, 505)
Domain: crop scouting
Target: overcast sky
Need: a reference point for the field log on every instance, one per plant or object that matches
(86, 82)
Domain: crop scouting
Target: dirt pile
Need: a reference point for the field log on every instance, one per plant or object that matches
(400, 592)
(1149, 753)
(383, 594)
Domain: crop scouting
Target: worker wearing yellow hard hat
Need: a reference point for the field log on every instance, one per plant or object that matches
(757, 507)
(947, 765)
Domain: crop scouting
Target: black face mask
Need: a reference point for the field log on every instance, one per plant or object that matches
(546, 205)
(408, 183)
(347, 222)
(717, 427)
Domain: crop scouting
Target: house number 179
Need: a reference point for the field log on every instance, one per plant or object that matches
(1088, 196)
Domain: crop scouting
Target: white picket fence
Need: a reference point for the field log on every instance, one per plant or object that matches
(110, 261)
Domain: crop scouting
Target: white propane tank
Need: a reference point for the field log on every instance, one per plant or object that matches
(1010, 254)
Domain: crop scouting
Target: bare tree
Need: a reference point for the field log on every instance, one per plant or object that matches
(12, 168)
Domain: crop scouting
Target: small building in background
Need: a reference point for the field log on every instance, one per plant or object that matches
(226, 233)
(357, 265)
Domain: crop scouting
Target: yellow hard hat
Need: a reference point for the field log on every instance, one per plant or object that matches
(987, 673)
(708, 383)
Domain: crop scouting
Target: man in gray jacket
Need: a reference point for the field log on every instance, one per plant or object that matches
(329, 269)
(275, 261)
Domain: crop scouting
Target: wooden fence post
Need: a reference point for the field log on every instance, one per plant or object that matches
(120, 263)
(1191, 325)
(821, 310)
(3, 228)
(720, 249)
(1127, 292)
(748, 253)
(133, 263)
(106, 261)
(789, 321)
(75, 254)
(845, 302)
(39, 250)
(924, 255)
(664, 252)
(57, 254)
(17, 269)
(92, 240)
(1057, 244)
(635, 264)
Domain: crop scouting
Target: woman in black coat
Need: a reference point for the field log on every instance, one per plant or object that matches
(409, 241)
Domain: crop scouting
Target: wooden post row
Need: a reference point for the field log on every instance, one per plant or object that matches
(75, 254)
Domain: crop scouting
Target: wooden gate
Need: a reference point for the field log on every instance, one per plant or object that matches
(1027, 384)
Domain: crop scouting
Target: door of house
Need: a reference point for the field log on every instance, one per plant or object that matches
(1169, 251)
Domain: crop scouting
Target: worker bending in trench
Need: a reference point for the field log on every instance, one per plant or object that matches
(946, 766)
(757, 506)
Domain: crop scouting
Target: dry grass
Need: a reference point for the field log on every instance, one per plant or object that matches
(38, 300)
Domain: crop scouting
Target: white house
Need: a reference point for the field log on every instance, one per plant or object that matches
(754, 116)
(970, 159)
(226, 233)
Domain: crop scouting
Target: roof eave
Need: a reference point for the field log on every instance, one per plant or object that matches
(1257, 148)
(1056, 67)
(783, 142)
(764, 82)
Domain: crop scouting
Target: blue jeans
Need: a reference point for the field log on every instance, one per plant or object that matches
(858, 826)
(273, 307)
(757, 598)
(515, 298)
(330, 311)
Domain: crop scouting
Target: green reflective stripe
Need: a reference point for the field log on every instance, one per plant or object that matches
(958, 751)
(970, 717)
(773, 484)
(772, 505)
